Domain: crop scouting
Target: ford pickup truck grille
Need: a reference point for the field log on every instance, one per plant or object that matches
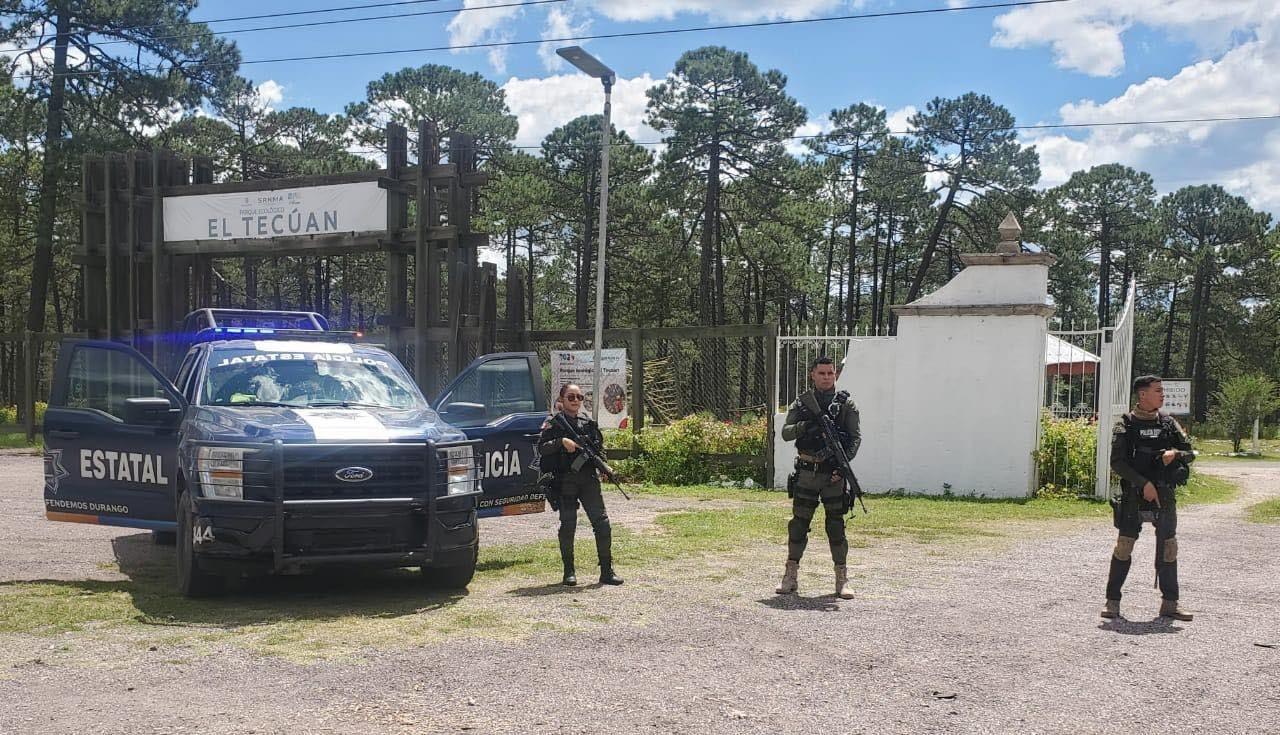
(318, 472)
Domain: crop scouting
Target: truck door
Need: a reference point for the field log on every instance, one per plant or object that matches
(111, 438)
(500, 399)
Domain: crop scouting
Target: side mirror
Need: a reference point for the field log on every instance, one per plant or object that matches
(151, 412)
(463, 413)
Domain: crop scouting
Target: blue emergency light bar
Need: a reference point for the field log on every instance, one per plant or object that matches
(214, 334)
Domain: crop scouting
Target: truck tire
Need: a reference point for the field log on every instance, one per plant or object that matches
(192, 582)
(455, 577)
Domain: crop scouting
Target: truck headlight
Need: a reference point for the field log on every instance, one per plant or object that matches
(221, 471)
(460, 471)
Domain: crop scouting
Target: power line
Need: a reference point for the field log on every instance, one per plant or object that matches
(340, 21)
(1045, 126)
(594, 37)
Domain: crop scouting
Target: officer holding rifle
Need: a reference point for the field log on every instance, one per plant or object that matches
(569, 448)
(820, 475)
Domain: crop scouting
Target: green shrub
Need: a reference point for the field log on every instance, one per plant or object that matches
(9, 414)
(1066, 456)
(676, 454)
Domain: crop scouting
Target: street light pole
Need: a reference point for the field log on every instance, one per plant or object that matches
(604, 242)
(589, 64)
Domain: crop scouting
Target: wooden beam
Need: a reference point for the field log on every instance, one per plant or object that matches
(295, 182)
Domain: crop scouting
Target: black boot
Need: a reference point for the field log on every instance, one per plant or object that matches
(566, 555)
(604, 549)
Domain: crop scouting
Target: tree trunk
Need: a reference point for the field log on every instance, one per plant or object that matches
(831, 253)
(50, 172)
(854, 303)
(935, 233)
(1193, 336)
(1168, 331)
(1200, 379)
(1104, 274)
(708, 237)
(529, 277)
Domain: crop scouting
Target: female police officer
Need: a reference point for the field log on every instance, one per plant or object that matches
(574, 479)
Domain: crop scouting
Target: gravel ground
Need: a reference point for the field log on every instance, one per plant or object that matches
(960, 638)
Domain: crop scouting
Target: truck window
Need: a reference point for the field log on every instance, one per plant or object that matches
(503, 387)
(237, 376)
(184, 373)
(104, 379)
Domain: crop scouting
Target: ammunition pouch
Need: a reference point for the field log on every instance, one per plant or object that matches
(1179, 472)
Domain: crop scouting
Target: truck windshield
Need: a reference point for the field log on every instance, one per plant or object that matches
(239, 377)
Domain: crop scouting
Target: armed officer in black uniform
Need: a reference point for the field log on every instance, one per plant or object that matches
(573, 480)
(817, 479)
(1150, 452)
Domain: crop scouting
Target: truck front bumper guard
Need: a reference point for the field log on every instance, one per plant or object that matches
(243, 529)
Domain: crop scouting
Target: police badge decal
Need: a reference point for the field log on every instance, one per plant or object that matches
(53, 470)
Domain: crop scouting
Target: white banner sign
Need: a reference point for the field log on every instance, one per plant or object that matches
(310, 210)
(575, 366)
(1177, 397)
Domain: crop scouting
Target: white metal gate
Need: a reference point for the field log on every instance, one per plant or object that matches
(796, 352)
(1115, 374)
(1087, 375)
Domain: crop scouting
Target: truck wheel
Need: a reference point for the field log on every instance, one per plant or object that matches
(164, 538)
(192, 582)
(455, 577)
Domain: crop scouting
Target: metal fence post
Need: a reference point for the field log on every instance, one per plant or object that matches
(29, 342)
(771, 379)
(637, 380)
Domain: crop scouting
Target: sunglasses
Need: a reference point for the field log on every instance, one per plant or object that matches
(574, 397)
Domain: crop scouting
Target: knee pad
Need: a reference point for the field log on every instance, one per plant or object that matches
(1170, 550)
(1124, 548)
(600, 524)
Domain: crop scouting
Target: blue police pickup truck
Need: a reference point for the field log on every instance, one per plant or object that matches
(277, 446)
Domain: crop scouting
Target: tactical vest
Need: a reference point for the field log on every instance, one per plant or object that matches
(810, 442)
(1148, 439)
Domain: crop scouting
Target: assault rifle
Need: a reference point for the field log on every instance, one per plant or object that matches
(831, 438)
(590, 454)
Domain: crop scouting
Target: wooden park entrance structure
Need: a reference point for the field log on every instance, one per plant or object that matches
(138, 287)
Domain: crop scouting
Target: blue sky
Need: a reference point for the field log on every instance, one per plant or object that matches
(1079, 61)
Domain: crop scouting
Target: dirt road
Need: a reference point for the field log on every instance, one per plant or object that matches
(960, 639)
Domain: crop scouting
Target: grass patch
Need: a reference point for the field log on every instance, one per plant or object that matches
(19, 441)
(1221, 449)
(1268, 511)
(1205, 489)
(334, 614)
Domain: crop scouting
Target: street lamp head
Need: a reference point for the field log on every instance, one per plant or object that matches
(587, 63)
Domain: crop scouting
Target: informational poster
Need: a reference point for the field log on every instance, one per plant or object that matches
(311, 210)
(1177, 397)
(576, 366)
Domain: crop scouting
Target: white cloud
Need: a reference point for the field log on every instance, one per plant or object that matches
(1086, 35)
(899, 120)
(737, 11)
(798, 146)
(270, 93)
(1244, 157)
(484, 26)
(560, 24)
(542, 105)
(23, 64)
